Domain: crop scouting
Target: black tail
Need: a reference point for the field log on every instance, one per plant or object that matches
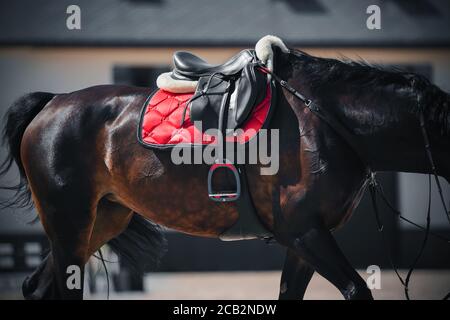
(17, 118)
(141, 245)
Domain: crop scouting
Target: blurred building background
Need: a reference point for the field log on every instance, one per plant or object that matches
(132, 41)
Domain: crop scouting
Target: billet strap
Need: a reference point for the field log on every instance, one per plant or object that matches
(249, 225)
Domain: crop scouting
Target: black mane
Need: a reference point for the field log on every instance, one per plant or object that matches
(324, 75)
(357, 73)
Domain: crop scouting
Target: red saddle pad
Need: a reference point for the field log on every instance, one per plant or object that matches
(161, 121)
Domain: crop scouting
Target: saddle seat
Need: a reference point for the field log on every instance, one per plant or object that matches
(188, 65)
(224, 95)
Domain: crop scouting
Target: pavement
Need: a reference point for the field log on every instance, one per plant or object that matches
(424, 285)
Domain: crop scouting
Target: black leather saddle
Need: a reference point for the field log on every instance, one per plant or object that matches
(226, 93)
(224, 98)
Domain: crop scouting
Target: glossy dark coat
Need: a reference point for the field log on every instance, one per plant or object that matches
(88, 175)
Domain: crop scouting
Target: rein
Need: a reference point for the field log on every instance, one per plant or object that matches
(374, 187)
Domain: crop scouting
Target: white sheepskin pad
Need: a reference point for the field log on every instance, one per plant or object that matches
(166, 82)
(264, 50)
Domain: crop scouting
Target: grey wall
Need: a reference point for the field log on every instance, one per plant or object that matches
(413, 199)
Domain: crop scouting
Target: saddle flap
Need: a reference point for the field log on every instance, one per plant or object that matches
(250, 91)
(206, 103)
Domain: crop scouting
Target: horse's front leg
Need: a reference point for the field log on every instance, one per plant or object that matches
(295, 277)
(319, 249)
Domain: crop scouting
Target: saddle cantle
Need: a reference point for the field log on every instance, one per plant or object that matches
(238, 94)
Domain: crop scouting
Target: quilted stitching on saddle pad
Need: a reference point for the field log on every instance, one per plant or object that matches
(161, 123)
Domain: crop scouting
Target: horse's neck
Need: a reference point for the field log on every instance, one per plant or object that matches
(392, 139)
(383, 117)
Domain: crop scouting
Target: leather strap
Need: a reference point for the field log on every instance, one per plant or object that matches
(326, 116)
(248, 226)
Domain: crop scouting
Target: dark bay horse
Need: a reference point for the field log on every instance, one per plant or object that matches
(91, 182)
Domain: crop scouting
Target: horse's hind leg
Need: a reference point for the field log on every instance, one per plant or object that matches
(40, 284)
(67, 206)
(110, 220)
(68, 223)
